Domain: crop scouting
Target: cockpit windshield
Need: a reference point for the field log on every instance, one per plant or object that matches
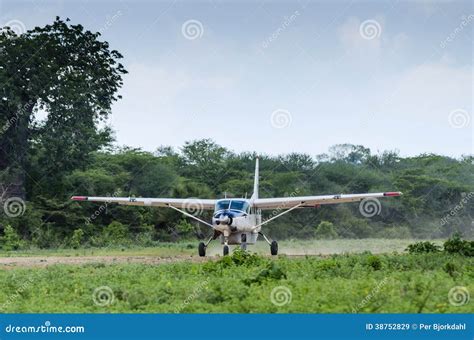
(239, 205)
(222, 205)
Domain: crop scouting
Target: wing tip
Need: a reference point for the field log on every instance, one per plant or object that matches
(392, 193)
(79, 198)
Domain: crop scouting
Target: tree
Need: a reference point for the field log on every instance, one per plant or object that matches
(67, 72)
(205, 161)
(325, 230)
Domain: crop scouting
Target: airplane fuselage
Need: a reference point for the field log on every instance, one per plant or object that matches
(237, 221)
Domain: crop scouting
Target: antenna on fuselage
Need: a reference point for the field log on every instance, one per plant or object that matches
(255, 182)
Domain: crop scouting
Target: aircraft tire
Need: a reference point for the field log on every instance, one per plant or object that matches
(202, 249)
(274, 248)
(226, 250)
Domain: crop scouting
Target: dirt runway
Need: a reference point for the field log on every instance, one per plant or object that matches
(43, 261)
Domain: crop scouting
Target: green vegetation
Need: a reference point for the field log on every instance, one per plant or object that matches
(425, 211)
(454, 245)
(243, 283)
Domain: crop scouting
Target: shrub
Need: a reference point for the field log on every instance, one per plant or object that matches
(456, 245)
(423, 247)
(374, 262)
(10, 240)
(325, 230)
(115, 233)
(272, 271)
(76, 238)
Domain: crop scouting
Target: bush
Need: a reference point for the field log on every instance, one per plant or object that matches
(10, 240)
(115, 233)
(325, 230)
(423, 247)
(76, 238)
(374, 262)
(456, 245)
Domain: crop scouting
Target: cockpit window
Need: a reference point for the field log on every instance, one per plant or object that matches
(239, 205)
(222, 205)
(232, 205)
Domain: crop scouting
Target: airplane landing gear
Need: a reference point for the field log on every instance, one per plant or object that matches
(273, 244)
(243, 244)
(274, 248)
(203, 246)
(226, 250)
(202, 249)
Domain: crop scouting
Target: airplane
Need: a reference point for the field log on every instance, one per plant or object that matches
(238, 221)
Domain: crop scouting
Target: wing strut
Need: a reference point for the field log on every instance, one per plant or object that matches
(189, 215)
(279, 215)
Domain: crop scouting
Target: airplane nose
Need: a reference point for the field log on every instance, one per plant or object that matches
(224, 219)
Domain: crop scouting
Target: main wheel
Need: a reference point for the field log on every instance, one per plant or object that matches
(226, 250)
(202, 249)
(274, 248)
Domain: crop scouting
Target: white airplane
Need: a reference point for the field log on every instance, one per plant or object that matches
(238, 221)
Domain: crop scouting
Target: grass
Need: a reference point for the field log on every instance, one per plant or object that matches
(246, 283)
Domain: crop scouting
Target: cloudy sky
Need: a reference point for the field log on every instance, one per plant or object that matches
(285, 76)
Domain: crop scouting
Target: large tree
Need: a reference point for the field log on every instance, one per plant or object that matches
(67, 72)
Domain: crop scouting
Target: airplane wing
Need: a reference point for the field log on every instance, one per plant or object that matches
(180, 203)
(314, 201)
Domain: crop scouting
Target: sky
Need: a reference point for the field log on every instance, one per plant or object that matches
(284, 76)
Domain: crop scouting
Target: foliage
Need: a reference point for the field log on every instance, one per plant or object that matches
(427, 180)
(423, 247)
(10, 240)
(71, 75)
(115, 233)
(404, 283)
(456, 245)
(325, 230)
(77, 238)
